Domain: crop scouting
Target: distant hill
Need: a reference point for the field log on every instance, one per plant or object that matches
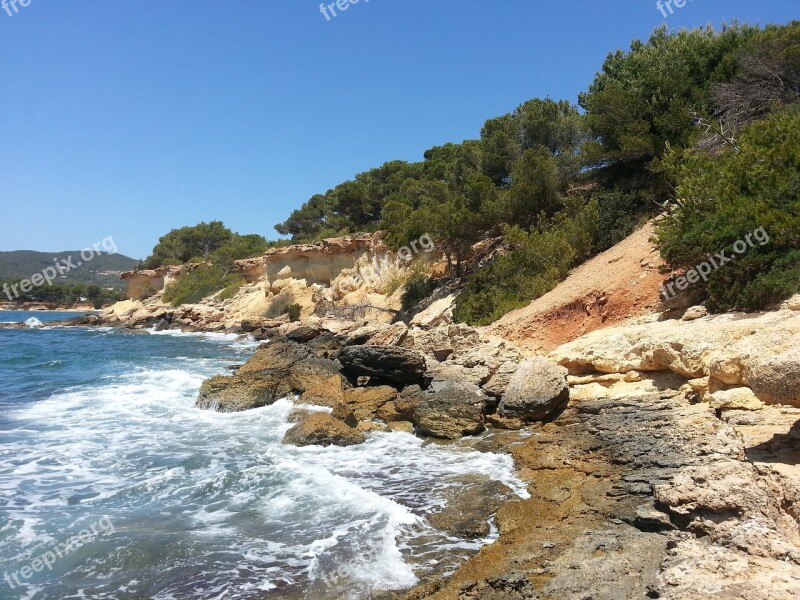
(103, 269)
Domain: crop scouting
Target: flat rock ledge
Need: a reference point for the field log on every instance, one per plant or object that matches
(646, 496)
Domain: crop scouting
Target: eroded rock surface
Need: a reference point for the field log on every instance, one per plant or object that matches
(640, 497)
(321, 429)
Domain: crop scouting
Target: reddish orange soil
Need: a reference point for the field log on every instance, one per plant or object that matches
(621, 282)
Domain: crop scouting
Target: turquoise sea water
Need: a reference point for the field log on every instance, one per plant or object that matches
(99, 434)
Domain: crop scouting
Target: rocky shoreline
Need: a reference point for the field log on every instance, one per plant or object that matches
(661, 456)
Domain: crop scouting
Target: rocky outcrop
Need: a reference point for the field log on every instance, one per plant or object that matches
(277, 370)
(469, 509)
(645, 496)
(321, 429)
(759, 351)
(145, 283)
(242, 392)
(535, 391)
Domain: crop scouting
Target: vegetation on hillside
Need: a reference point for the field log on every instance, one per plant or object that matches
(659, 121)
(63, 294)
(700, 126)
(213, 245)
(103, 269)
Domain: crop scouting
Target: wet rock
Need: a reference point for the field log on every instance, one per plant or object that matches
(402, 426)
(511, 586)
(450, 410)
(536, 390)
(321, 429)
(276, 355)
(469, 508)
(242, 392)
(277, 370)
(386, 363)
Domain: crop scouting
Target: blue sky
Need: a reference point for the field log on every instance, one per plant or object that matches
(127, 118)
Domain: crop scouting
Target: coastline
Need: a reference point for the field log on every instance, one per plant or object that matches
(39, 307)
(613, 480)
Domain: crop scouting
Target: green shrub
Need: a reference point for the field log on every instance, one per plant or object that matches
(539, 261)
(418, 287)
(619, 215)
(232, 289)
(293, 310)
(724, 198)
(197, 284)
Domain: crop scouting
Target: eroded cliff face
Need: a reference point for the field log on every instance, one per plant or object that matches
(354, 277)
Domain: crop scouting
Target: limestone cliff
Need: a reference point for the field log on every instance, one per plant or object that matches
(354, 276)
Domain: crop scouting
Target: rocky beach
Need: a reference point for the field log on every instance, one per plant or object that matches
(659, 451)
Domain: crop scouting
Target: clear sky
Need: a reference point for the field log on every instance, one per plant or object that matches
(127, 118)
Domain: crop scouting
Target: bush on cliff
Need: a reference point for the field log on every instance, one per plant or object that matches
(205, 242)
(198, 283)
(539, 261)
(726, 197)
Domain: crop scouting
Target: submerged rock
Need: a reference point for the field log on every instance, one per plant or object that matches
(468, 509)
(321, 429)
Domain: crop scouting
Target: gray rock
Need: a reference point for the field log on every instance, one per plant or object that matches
(537, 390)
(450, 410)
(469, 509)
(387, 363)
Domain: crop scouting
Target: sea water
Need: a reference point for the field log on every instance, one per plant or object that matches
(99, 426)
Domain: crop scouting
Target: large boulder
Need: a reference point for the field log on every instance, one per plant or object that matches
(537, 390)
(450, 410)
(277, 370)
(275, 355)
(321, 429)
(498, 382)
(775, 379)
(388, 363)
(402, 407)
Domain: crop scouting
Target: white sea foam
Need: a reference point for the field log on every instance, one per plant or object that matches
(225, 489)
